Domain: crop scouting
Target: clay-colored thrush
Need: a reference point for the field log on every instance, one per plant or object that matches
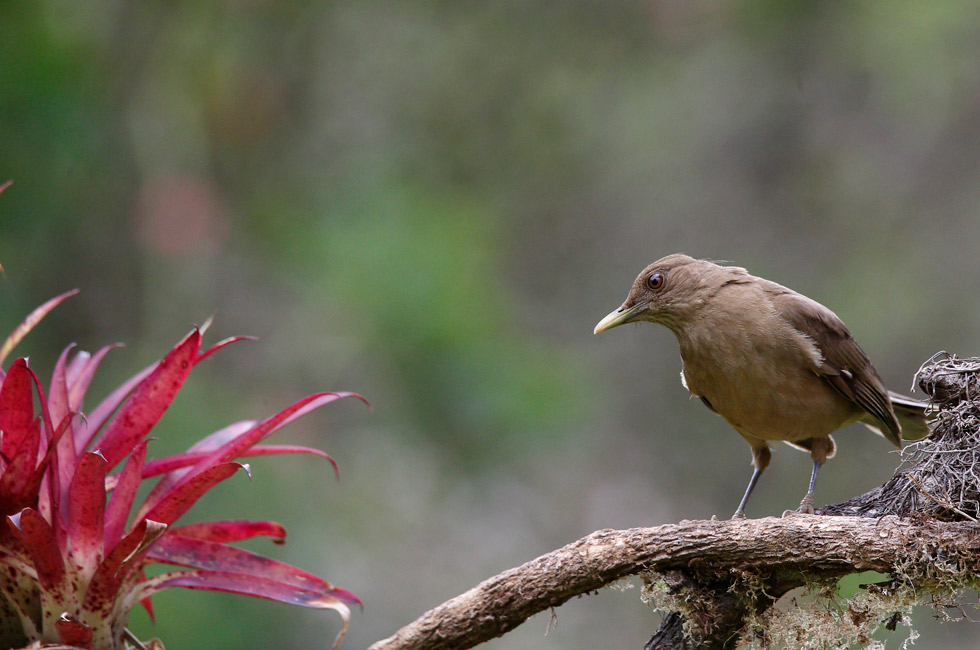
(775, 364)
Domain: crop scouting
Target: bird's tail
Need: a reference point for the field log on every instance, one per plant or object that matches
(911, 414)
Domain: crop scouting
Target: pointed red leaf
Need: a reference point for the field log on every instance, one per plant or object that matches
(74, 367)
(59, 409)
(58, 389)
(247, 585)
(239, 443)
(80, 374)
(59, 472)
(16, 488)
(120, 565)
(178, 461)
(16, 409)
(148, 402)
(220, 437)
(184, 495)
(39, 539)
(86, 513)
(72, 632)
(123, 495)
(93, 423)
(213, 556)
(231, 531)
(207, 444)
(221, 344)
(32, 490)
(234, 448)
(147, 604)
(32, 319)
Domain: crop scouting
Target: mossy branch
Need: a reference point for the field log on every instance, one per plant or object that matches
(721, 577)
(780, 552)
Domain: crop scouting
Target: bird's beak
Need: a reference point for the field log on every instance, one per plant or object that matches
(620, 316)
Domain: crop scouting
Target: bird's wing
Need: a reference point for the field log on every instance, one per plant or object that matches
(845, 366)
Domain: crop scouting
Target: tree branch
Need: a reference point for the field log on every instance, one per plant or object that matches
(723, 574)
(786, 551)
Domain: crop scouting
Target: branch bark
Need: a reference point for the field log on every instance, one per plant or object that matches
(785, 551)
(901, 528)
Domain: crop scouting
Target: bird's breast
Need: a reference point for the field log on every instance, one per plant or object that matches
(760, 377)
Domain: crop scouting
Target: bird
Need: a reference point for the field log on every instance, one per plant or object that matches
(776, 365)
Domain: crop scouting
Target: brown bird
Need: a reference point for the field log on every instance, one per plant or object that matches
(772, 362)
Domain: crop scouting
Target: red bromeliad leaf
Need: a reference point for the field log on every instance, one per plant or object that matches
(69, 570)
(262, 430)
(16, 409)
(38, 538)
(178, 461)
(59, 409)
(72, 632)
(16, 487)
(221, 344)
(147, 404)
(150, 384)
(74, 367)
(273, 450)
(100, 414)
(31, 491)
(231, 531)
(248, 586)
(244, 440)
(122, 565)
(214, 440)
(243, 584)
(206, 444)
(123, 495)
(123, 561)
(147, 604)
(40, 541)
(58, 390)
(32, 319)
(179, 500)
(213, 556)
(86, 515)
(60, 475)
(80, 373)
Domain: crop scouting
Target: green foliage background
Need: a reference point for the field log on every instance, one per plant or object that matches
(432, 203)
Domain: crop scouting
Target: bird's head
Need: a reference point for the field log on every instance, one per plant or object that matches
(669, 292)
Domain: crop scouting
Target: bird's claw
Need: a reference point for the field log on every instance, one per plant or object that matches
(806, 507)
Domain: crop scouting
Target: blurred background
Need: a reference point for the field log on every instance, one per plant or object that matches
(432, 204)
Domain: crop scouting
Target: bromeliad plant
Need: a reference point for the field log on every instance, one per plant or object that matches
(72, 559)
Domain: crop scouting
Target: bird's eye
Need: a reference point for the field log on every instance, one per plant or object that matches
(655, 281)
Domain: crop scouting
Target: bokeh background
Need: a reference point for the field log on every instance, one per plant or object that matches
(432, 203)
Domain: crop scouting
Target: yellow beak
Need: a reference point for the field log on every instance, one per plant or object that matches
(618, 317)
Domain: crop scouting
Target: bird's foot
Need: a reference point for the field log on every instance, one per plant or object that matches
(806, 507)
(739, 514)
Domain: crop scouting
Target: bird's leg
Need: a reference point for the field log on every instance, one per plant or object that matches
(740, 512)
(760, 460)
(806, 505)
(820, 450)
